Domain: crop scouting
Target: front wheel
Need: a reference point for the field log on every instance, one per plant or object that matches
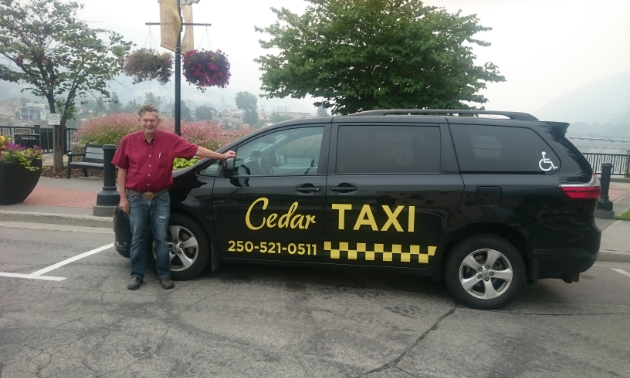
(484, 272)
(189, 249)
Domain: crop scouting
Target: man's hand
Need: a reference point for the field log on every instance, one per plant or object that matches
(124, 204)
(229, 154)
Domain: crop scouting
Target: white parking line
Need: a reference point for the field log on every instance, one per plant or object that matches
(38, 275)
(621, 271)
(19, 275)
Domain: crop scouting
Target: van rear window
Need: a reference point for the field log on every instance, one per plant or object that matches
(502, 149)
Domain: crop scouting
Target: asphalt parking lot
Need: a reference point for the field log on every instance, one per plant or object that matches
(65, 312)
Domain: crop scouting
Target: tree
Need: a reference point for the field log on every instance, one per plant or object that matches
(278, 117)
(46, 47)
(203, 113)
(374, 54)
(322, 112)
(131, 107)
(97, 106)
(185, 113)
(248, 103)
(114, 105)
(150, 98)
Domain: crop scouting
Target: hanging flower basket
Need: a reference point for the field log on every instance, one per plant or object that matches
(206, 68)
(148, 64)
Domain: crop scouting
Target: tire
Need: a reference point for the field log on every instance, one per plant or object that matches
(482, 286)
(187, 262)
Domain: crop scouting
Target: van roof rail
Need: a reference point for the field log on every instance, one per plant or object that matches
(459, 112)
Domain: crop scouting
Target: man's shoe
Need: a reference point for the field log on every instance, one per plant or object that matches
(134, 283)
(167, 283)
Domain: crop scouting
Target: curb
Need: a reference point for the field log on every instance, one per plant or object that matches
(615, 256)
(70, 220)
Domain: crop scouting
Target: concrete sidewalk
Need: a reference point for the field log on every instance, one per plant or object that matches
(70, 202)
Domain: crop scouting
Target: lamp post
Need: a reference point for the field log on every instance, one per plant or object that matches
(178, 60)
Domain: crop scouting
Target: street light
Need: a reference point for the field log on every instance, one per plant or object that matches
(178, 60)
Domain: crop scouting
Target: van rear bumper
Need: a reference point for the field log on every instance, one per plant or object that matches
(562, 251)
(561, 263)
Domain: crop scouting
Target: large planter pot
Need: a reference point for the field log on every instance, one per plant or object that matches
(17, 182)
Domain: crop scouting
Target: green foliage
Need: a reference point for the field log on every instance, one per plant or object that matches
(180, 163)
(114, 105)
(21, 155)
(107, 130)
(277, 117)
(55, 54)
(308, 147)
(322, 112)
(185, 113)
(625, 216)
(374, 54)
(203, 113)
(248, 102)
(132, 107)
(150, 98)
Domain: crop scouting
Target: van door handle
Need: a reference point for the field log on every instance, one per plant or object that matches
(343, 188)
(308, 188)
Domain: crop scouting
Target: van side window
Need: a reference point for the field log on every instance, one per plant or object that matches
(388, 149)
(289, 152)
(502, 149)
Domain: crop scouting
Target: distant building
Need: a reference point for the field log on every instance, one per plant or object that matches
(33, 113)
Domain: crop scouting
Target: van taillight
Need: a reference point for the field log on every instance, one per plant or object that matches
(589, 190)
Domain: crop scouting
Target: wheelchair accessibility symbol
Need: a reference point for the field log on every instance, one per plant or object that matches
(546, 164)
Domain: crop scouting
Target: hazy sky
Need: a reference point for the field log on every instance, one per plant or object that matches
(544, 48)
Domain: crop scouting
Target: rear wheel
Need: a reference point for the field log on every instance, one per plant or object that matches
(189, 250)
(484, 272)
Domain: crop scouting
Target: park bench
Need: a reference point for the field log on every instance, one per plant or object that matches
(92, 159)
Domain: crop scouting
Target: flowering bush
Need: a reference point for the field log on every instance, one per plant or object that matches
(148, 64)
(206, 68)
(17, 153)
(112, 129)
(107, 130)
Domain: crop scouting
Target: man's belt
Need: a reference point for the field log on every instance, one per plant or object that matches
(147, 195)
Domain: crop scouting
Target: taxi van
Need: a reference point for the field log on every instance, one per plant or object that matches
(484, 200)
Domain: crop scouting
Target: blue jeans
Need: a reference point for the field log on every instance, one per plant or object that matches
(142, 214)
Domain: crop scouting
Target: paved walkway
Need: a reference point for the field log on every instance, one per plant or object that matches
(48, 196)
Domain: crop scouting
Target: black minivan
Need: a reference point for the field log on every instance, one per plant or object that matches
(485, 200)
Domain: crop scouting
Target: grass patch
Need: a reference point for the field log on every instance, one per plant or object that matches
(625, 216)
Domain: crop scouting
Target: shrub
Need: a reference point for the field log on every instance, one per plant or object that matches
(112, 129)
(107, 130)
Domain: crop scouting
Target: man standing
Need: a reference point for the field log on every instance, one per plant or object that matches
(145, 171)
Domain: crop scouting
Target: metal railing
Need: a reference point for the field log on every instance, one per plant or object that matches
(46, 135)
(619, 162)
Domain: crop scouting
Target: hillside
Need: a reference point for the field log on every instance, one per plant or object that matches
(597, 109)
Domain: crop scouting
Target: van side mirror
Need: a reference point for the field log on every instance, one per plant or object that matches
(228, 167)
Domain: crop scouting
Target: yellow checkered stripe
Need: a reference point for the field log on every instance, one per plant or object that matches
(361, 252)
